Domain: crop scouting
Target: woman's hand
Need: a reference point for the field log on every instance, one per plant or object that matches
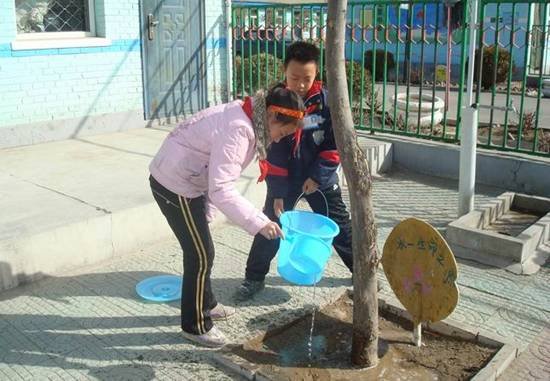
(272, 231)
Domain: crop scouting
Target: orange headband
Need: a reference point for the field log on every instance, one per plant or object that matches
(296, 114)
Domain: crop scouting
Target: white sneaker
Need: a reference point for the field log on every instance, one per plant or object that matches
(213, 338)
(221, 312)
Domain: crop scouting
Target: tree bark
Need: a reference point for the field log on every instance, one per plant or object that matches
(365, 261)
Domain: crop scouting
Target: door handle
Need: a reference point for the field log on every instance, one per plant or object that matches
(151, 24)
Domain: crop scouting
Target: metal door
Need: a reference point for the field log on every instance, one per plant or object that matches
(174, 71)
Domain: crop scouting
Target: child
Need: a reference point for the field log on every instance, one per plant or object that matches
(305, 162)
(196, 169)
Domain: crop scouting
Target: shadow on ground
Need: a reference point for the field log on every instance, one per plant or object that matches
(75, 330)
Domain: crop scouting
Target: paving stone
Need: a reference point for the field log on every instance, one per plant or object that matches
(491, 279)
(475, 308)
(35, 372)
(536, 295)
(518, 321)
(533, 363)
(16, 348)
(90, 324)
(48, 371)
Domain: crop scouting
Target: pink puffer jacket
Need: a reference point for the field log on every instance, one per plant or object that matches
(205, 155)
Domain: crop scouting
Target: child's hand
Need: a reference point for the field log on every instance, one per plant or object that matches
(278, 206)
(310, 186)
(272, 231)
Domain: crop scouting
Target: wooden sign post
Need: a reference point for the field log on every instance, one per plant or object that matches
(422, 272)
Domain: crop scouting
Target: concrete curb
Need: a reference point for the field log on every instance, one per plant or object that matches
(516, 172)
(96, 238)
(469, 237)
(500, 361)
(79, 244)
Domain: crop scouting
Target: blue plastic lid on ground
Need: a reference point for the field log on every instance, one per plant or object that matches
(160, 288)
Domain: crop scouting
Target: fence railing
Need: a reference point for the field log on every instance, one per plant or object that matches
(406, 63)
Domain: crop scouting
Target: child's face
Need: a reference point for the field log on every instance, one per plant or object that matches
(277, 129)
(300, 76)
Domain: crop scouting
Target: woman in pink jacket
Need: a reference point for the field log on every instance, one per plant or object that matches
(195, 172)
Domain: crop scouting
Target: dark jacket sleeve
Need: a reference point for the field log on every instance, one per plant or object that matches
(328, 158)
(278, 158)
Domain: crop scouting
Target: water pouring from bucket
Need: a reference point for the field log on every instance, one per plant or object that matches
(303, 254)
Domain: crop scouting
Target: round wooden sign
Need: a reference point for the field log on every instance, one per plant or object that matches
(421, 270)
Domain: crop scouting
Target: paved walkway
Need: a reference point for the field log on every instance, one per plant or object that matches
(534, 363)
(90, 325)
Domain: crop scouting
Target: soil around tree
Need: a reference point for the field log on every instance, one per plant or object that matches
(282, 354)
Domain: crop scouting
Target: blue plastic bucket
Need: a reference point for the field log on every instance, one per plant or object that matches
(303, 254)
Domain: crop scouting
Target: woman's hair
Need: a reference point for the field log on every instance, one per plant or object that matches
(280, 96)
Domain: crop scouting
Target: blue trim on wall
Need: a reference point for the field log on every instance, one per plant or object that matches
(115, 46)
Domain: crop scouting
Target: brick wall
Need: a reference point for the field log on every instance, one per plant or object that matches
(47, 84)
(62, 84)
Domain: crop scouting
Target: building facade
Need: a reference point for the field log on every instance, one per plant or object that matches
(74, 67)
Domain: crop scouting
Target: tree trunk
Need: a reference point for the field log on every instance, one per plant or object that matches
(365, 261)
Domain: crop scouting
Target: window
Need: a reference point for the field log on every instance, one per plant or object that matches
(50, 24)
(35, 17)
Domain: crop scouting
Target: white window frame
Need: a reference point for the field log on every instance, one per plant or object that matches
(52, 40)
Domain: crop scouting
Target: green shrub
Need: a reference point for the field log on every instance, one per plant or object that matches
(366, 83)
(258, 63)
(488, 72)
(356, 80)
(369, 101)
(379, 69)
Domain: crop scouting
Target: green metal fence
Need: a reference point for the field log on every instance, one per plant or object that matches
(407, 60)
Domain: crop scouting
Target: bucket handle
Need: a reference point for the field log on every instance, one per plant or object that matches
(304, 194)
